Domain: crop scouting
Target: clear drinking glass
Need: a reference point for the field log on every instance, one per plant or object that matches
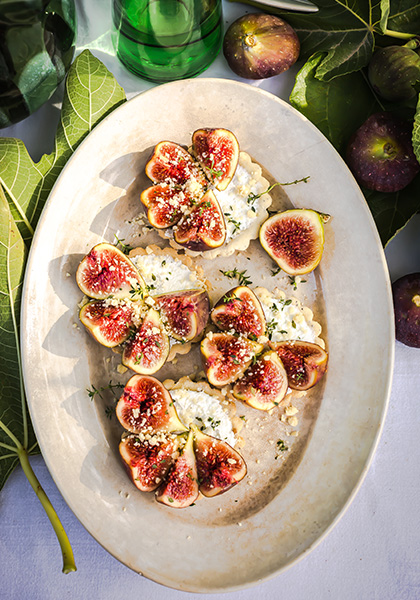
(37, 42)
(164, 40)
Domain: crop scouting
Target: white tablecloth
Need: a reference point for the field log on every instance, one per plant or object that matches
(372, 553)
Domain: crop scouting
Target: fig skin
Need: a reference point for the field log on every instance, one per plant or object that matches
(146, 406)
(406, 296)
(241, 311)
(105, 271)
(380, 154)
(258, 46)
(219, 466)
(264, 384)
(294, 239)
(185, 314)
(147, 350)
(204, 227)
(180, 488)
(393, 72)
(305, 362)
(109, 325)
(217, 151)
(226, 357)
(148, 464)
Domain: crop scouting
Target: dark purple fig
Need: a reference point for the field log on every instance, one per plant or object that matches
(106, 271)
(394, 72)
(204, 227)
(146, 351)
(146, 406)
(406, 294)
(264, 384)
(380, 153)
(305, 362)
(219, 466)
(239, 311)
(109, 324)
(147, 462)
(294, 239)
(180, 488)
(226, 356)
(185, 313)
(172, 164)
(166, 204)
(258, 46)
(217, 151)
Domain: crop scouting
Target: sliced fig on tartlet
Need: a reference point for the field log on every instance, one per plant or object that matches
(226, 356)
(219, 466)
(305, 362)
(148, 461)
(105, 271)
(217, 151)
(165, 203)
(146, 351)
(146, 406)
(110, 324)
(180, 488)
(240, 311)
(264, 384)
(184, 313)
(171, 163)
(294, 239)
(204, 227)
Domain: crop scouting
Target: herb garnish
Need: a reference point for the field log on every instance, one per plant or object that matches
(240, 275)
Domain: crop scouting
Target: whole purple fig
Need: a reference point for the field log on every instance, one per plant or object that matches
(394, 71)
(258, 46)
(380, 153)
(406, 295)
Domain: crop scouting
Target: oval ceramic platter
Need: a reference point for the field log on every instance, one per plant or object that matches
(289, 500)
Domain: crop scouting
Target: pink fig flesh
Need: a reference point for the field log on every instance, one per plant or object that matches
(217, 151)
(148, 348)
(204, 227)
(110, 325)
(305, 362)
(170, 163)
(240, 311)
(184, 313)
(264, 384)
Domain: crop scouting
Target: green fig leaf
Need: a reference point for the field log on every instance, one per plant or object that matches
(404, 16)
(91, 93)
(330, 105)
(416, 132)
(392, 211)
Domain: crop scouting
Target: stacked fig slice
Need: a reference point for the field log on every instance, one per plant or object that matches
(181, 195)
(120, 313)
(235, 355)
(160, 454)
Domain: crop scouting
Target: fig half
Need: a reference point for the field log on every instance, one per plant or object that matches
(264, 384)
(294, 239)
(184, 313)
(171, 163)
(406, 295)
(146, 463)
(305, 362)
(146, 351)
(258, 46)
(180, 488)
(106, 271)
(165, 203)
(217, 151)
(110, 325)
(219, 466)
(226, 356)
(239, 311)
(146, 406)
(204, 227)
(380, 153)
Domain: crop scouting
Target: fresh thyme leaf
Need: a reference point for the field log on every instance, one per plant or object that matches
(124, 247)
(241, 276)
(99, 391)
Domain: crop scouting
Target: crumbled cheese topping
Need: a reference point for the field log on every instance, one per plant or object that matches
(163, 274)
(205, 411)
(287, 319)
(238, 210)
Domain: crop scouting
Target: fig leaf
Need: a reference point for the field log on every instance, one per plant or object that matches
(24, 188)
(330, 105)
(404, 16)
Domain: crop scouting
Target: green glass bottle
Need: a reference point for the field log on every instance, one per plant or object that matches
(165, 40)
(37, 42)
